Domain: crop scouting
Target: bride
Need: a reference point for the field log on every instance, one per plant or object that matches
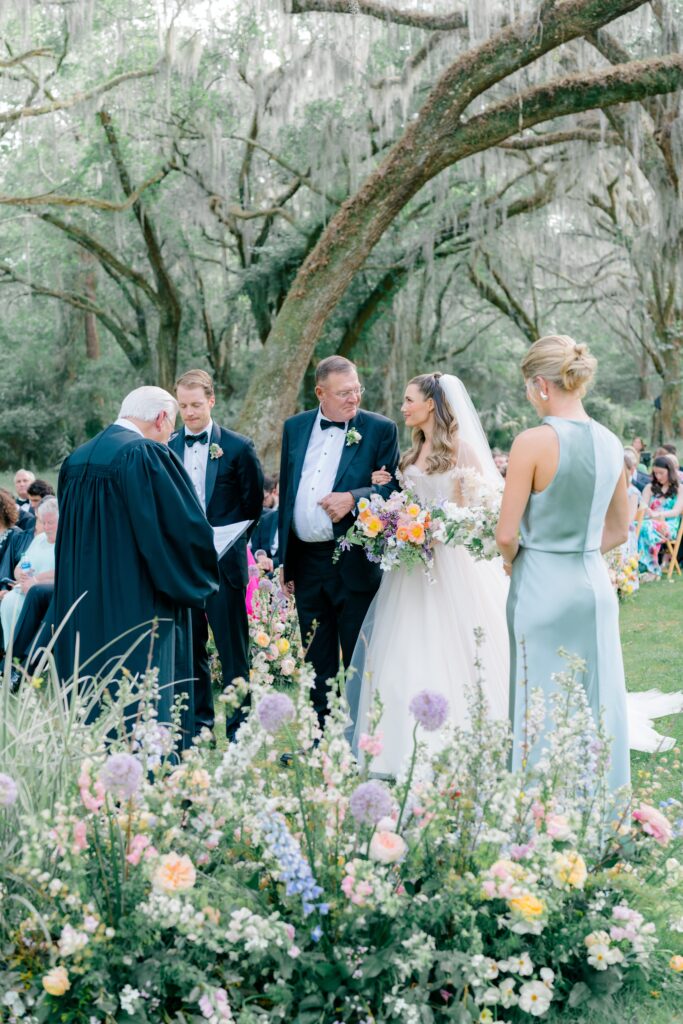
(419, 634)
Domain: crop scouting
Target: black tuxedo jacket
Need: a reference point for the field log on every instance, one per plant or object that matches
(378, 447)
(234, 492)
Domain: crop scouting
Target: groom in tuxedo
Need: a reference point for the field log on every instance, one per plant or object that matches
(227, 478)
(328, 456)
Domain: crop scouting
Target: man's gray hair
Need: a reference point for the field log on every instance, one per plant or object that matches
(28, 473)
(47, 505)
(146, 403)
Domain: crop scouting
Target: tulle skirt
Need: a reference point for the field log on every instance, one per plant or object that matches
(420, 635)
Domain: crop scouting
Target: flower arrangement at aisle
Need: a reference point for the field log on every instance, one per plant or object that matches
(229, 888)
(274, 639)
(623, 573)
(401, 531)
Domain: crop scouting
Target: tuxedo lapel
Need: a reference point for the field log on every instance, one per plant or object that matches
(177, 444)
(349, 450)
(300, 449)
(212, 464)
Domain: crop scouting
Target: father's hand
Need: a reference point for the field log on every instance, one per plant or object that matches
(338, 504)
(286, 586)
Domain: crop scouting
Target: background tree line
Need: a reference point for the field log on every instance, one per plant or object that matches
(250, 186)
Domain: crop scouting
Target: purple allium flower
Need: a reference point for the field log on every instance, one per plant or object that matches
(266, 584)
(8, 790)
(370, 802)
(274, 710)
(430, 709)
(121, 775)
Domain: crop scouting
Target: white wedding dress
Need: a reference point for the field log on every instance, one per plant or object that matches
(420, 635)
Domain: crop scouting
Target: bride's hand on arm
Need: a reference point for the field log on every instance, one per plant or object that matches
(518, 483)
(380, 477)
(615, 530)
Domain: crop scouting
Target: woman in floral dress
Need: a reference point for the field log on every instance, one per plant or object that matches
(663, 503)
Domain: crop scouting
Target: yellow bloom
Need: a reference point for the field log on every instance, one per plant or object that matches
(36, 682)
(175, 873)
(413, 510)
(676, 963)
(527, 905)
(56, 982)
(570, 869)
(283, 645)
(372, 526)
(363, 504)
(262, 639)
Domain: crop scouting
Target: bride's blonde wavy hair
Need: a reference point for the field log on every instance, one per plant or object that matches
(445, 433)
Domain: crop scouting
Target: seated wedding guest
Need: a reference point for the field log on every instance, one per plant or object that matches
(671, 450)
(9, 517)
(38, 490)
(271, 490)
(22, 479)
(265, 539)
(41, 556)
(663, 502)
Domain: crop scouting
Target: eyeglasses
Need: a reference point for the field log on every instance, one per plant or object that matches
(349, 392)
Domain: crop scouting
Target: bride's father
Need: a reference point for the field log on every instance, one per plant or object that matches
(328, 456)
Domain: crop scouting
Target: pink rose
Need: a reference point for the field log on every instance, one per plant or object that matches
(654, 823)
(387, 847)
(557, 826)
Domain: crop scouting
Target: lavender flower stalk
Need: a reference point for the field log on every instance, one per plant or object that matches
(121, 775)
(274, 711)
(430, 709)
(8, 790)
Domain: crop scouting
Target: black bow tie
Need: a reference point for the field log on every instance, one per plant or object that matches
(191, 439)
(324, 424)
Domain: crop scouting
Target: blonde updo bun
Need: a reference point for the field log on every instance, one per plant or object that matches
(561, 360)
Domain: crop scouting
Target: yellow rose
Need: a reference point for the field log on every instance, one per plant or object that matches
(676, 964)
(283, 645)
(174, 873)
(570, 869)
(56, 982)
(527, 906)
(262, 639)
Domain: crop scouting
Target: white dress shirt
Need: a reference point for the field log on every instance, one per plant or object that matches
(311, 523)
(195, 460)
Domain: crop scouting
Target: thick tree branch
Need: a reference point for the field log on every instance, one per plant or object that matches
(560, 137)
(78, 97)
(91, 203)
(383, 11)
(20, 58)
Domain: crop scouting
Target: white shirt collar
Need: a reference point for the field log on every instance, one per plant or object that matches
(208, 428)
(322, 416)
(128, 425)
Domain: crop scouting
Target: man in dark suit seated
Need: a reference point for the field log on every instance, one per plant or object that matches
(265, 535)
(33, 628)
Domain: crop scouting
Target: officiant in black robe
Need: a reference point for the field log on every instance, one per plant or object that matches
(135, 547)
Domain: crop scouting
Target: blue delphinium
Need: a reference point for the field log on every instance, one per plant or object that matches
(295, 871)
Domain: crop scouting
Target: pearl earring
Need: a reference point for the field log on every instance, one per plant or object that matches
(543, 396)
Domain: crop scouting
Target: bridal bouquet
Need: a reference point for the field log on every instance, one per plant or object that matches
(400, 531)
(394, 531)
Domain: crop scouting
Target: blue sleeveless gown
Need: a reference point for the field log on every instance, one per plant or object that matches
(560, 592)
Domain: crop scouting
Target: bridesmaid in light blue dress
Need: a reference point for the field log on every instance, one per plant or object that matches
(565, 503)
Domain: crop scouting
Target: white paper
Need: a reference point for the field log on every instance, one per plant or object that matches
(225, 536)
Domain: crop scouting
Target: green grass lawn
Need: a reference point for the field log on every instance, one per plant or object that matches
(653, 657)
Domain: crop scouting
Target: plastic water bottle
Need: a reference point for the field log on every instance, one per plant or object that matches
(27, 568)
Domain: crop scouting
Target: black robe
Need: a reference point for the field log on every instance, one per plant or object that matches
(135, 542)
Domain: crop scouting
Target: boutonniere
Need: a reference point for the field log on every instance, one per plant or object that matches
(215, 451)
(353, 437)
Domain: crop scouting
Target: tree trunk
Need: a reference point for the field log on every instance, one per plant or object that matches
(92, 338)
(671, 390)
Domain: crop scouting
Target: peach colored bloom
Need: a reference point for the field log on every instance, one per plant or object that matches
(174, 873)
(262, 639)
(56, 982)
(387, 847)
(676, 964)
(527, 906)
(416, 533)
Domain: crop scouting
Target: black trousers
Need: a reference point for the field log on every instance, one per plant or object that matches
(32, 629)
(323, 599)
(226, 613)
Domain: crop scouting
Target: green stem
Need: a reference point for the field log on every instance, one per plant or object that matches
(411, 771)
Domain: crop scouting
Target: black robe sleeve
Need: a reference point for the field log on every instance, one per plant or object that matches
(174, 538)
